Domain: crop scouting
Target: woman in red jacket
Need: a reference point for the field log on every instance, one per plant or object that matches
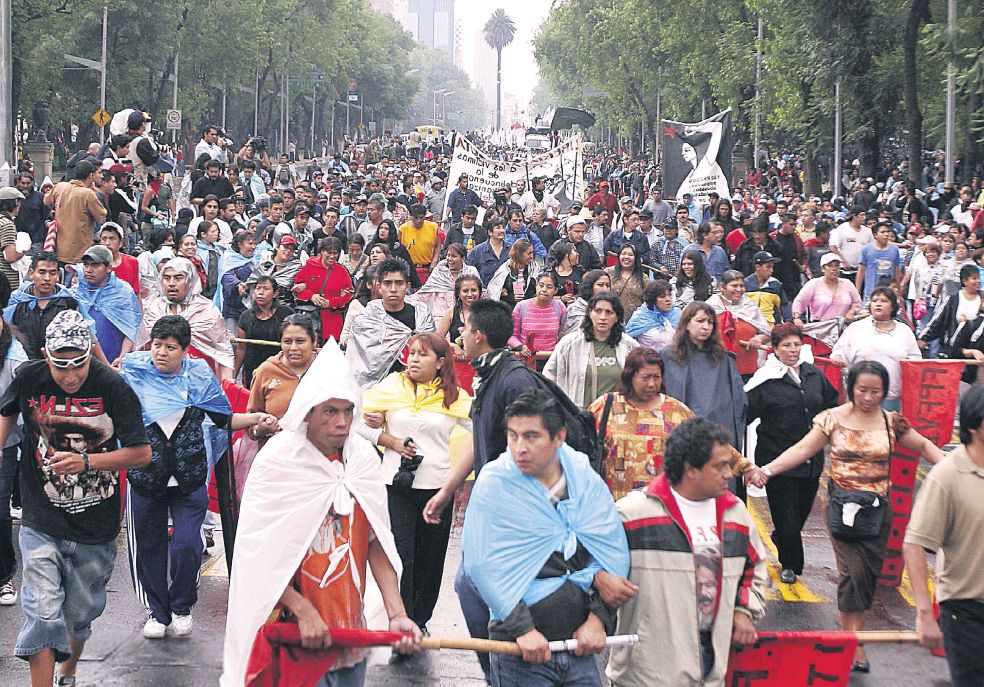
(327, 286)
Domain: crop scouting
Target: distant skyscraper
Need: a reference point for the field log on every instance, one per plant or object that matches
(458, 60)
(485, 68)
(432, 23)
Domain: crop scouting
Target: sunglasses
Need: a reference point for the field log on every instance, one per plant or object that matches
(71, 363)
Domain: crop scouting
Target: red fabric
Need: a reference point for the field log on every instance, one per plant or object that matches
(734, 330)
(607, 200)
(465, 374)
(277, 657)
(794, 659)
(833, 374)
(929, 401)
(238, 396)
(735, 239)
(818, 346)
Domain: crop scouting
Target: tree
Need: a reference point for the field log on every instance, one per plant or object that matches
(499, 32)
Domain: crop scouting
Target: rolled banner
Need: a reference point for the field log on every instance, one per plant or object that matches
(615, 640)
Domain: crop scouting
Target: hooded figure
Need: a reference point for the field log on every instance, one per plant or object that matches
(209, 336)
(292, 488)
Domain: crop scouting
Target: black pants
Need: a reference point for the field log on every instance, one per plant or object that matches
(8, 478)
(963, 639)
(790, 501)
(422, 549)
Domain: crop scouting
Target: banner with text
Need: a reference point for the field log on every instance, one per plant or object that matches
(929, 402)
(697, 158)
(793, 659)
(559, 166)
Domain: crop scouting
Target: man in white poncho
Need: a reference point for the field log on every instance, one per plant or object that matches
(314, 512)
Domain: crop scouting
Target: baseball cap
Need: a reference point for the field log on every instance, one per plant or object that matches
(361, 198)
(623, 200)
(288, 240)
(302, 209)
(829, 258)
(928, 241)
(646, 214)
(764, 257)
(604, 183)
(136, 119)
(417, 210)
(98, 254)
(67, 331)
(575, 219)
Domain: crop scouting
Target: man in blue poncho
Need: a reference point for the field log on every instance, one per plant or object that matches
(539, 567)
(110, 302)
(176, 394)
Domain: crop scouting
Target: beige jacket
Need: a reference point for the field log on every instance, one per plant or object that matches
(79, 212)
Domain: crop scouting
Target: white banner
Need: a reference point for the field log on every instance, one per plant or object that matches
(561, 167)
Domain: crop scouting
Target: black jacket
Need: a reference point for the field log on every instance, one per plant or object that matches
(944, 325)
(787, 413)
(747, 250)
(509, 378)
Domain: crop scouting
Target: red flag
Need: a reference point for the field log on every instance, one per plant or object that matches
(793, 659)
(465, 373)
(277, 657)
(833, 374)
(929, 402)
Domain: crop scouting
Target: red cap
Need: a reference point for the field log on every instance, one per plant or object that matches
(288, 240)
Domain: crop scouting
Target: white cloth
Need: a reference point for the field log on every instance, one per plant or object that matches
(569, 361)
(291, 488)
(700, 517)
(967, 308)
(773, 369)
(850, 242)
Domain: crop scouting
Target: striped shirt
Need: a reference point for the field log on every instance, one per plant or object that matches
(542, 323)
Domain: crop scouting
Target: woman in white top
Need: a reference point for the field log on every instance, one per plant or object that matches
(881, 338)
(412, 414)
(953, 313)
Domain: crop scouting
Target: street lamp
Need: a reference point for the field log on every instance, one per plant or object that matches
(444, 106)
(434, 105)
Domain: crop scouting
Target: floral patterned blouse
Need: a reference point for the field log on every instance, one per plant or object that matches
(859, 458)
(635, 440)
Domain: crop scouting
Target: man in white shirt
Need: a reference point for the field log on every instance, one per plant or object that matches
(848, 239)
(210, 144)
(537, 197)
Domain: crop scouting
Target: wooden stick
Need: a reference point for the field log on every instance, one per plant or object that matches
(887, 637)
(258, 342)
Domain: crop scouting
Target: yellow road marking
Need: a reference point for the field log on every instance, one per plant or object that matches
(905, 589)
(797, 591)
(216, 565)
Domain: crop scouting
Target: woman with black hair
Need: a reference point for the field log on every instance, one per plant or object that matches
(588, 362)
(593, 282)
(386, 235)
(692, 282)
(861, 436)
(566, 270)
(628, 281)
(467, 290)
(260, 322)
(515, 280)
(954, 313)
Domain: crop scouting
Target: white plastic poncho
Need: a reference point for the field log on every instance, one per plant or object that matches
(377, 340)
(291, 488)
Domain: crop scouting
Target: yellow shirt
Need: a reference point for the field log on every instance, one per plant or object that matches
(421, 242)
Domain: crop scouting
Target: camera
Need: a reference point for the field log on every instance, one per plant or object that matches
(259, 143)
(408, 466)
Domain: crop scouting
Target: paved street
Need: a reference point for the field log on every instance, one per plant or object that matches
(118, 654)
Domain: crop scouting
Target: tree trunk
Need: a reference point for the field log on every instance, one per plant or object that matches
(811, 174)
(918, 13)
(498, 88)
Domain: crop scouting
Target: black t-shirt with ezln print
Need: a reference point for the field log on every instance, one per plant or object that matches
(103, 415)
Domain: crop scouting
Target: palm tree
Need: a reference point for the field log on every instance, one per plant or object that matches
(499, 31)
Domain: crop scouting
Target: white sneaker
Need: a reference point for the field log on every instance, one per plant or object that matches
(181, 624)
(15, 514)
(8, 594)
(154, 629)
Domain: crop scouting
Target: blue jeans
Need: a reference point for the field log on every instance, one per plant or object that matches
(63, 591)
(476, 613)
(346, 677)
(564, 668)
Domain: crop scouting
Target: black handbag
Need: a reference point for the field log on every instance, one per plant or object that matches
(873, 508)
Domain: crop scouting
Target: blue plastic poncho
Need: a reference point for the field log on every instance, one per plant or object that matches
(160, 394)
(230, 260)
(114, 300)
(23, 295)
(511, 529)
(646, 318)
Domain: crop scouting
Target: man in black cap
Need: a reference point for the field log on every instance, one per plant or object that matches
(766, 290)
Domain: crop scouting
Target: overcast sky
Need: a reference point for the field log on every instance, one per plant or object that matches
(518, 66)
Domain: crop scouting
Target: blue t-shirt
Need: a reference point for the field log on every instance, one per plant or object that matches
(878, 263)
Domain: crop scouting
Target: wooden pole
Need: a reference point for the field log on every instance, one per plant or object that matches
(258, 342)
(887, 637)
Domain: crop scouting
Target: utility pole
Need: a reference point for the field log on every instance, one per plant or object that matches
(102, 76)
(835, 183)
(314, 105)
(286, 147)
(174, 97)
(223, 108)
(91, 64)
(951, 96)
(659, 114)
(758, 95)
(6, 94)
(256, 101)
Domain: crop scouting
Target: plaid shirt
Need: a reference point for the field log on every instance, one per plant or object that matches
(666, 254)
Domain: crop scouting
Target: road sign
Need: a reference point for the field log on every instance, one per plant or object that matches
(101, 117)
(353, 97)
(353, 83)
(173, 119)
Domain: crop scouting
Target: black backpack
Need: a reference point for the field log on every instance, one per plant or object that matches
(582, 432)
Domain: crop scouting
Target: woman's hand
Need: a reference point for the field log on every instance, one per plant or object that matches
(406, 448)
(435, 507)
(243, 289)
(757, 477)
(459, 353)
(373, 420)
(297, 288)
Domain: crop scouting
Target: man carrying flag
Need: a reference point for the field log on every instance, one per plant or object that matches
(314, 512)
